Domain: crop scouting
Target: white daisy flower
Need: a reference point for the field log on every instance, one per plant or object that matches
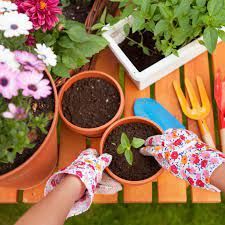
(8, 58)
(46, 54)
(6, 6)
(15, 24)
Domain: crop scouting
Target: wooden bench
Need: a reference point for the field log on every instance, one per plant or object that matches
(169, 188)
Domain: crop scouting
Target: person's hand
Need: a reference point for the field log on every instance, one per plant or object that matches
(89, 168)
(183, 154)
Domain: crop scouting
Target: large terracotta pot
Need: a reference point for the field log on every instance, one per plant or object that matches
(132, 119)
(98, 131)
(41, 164)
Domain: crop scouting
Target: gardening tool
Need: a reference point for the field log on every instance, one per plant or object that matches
(151, 109)
(196, 112)
(219, 92)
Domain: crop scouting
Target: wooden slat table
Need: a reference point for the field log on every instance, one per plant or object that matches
(169, 188)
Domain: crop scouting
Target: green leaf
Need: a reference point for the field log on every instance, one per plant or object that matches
(138, 22)
(165, 11)
(214, 6)
(221, 34)
(93, 45)
(129, 156)
(103, 16)
(137, 142)
(65, 42)
(200, 2)
(125, 141)
(97, 26)
(68, 61)
(61, 70)
(160, 27)
(210, 37)
(146, 51)
(120, 149)
(77, 34)
(126, 29)
(183, 8)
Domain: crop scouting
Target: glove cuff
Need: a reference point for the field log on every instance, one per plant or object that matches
(83, 204)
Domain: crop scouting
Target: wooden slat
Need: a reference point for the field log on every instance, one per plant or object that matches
(99, 198)
(8, 195)
(142, 193)
(71, 144)
(200, 67)
(219, 59)
(170, 188)
(106, 62)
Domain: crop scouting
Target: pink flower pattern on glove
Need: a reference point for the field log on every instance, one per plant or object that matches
(183, 154)
(89, 168)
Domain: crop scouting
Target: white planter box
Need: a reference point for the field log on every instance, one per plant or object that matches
(158, 70)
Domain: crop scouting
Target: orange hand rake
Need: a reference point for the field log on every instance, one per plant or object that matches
(196, 112)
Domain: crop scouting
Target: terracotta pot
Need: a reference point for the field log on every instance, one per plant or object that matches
(98, 131)
(41, 164)
(127, 120)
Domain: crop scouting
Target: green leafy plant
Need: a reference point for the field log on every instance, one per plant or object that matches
(72, 45)
(19, 134)
(175, 23)
(126, 146)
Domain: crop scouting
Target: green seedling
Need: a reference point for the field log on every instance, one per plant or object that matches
(125, 147)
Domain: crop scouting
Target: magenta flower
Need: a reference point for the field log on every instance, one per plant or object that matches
(31, 41)
(33, 84)
(29, 61)
(8, 84)
(42, 13)
(14, 112)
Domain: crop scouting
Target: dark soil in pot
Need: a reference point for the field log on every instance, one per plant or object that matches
(140, 60)
(90, 103)
(46, 106)
(143, 166)
(78, 10)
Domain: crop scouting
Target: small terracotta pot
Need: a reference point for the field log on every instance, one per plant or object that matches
(42, 163)
(132, 119)
(98, 131)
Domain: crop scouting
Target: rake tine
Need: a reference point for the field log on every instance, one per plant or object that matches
(203, 95)
(192, 96)
(180, 95)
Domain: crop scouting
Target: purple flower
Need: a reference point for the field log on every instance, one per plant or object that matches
(29, 61)
(33, 85)
(8, 84)
(14, 112)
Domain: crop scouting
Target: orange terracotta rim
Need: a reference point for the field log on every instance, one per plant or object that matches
(132, 119)
(91, 74)
(54, 124)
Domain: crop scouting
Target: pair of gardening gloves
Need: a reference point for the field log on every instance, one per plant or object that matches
(179, 151)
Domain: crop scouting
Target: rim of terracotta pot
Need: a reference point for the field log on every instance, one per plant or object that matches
(54, 122)
(90, 74)
(110, 129)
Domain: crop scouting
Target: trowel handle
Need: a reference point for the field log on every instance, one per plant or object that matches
(206, 135)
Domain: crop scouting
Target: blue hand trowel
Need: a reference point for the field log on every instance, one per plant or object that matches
(151, 109)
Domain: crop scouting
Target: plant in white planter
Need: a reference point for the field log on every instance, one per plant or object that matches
(169, 33)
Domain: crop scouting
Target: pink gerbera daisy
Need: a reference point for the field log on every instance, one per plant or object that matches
(33, 84)
(29, 61)
(42, 13)
(8, 84)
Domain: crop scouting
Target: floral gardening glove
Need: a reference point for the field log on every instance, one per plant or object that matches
(185, 156)
(89, 168)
